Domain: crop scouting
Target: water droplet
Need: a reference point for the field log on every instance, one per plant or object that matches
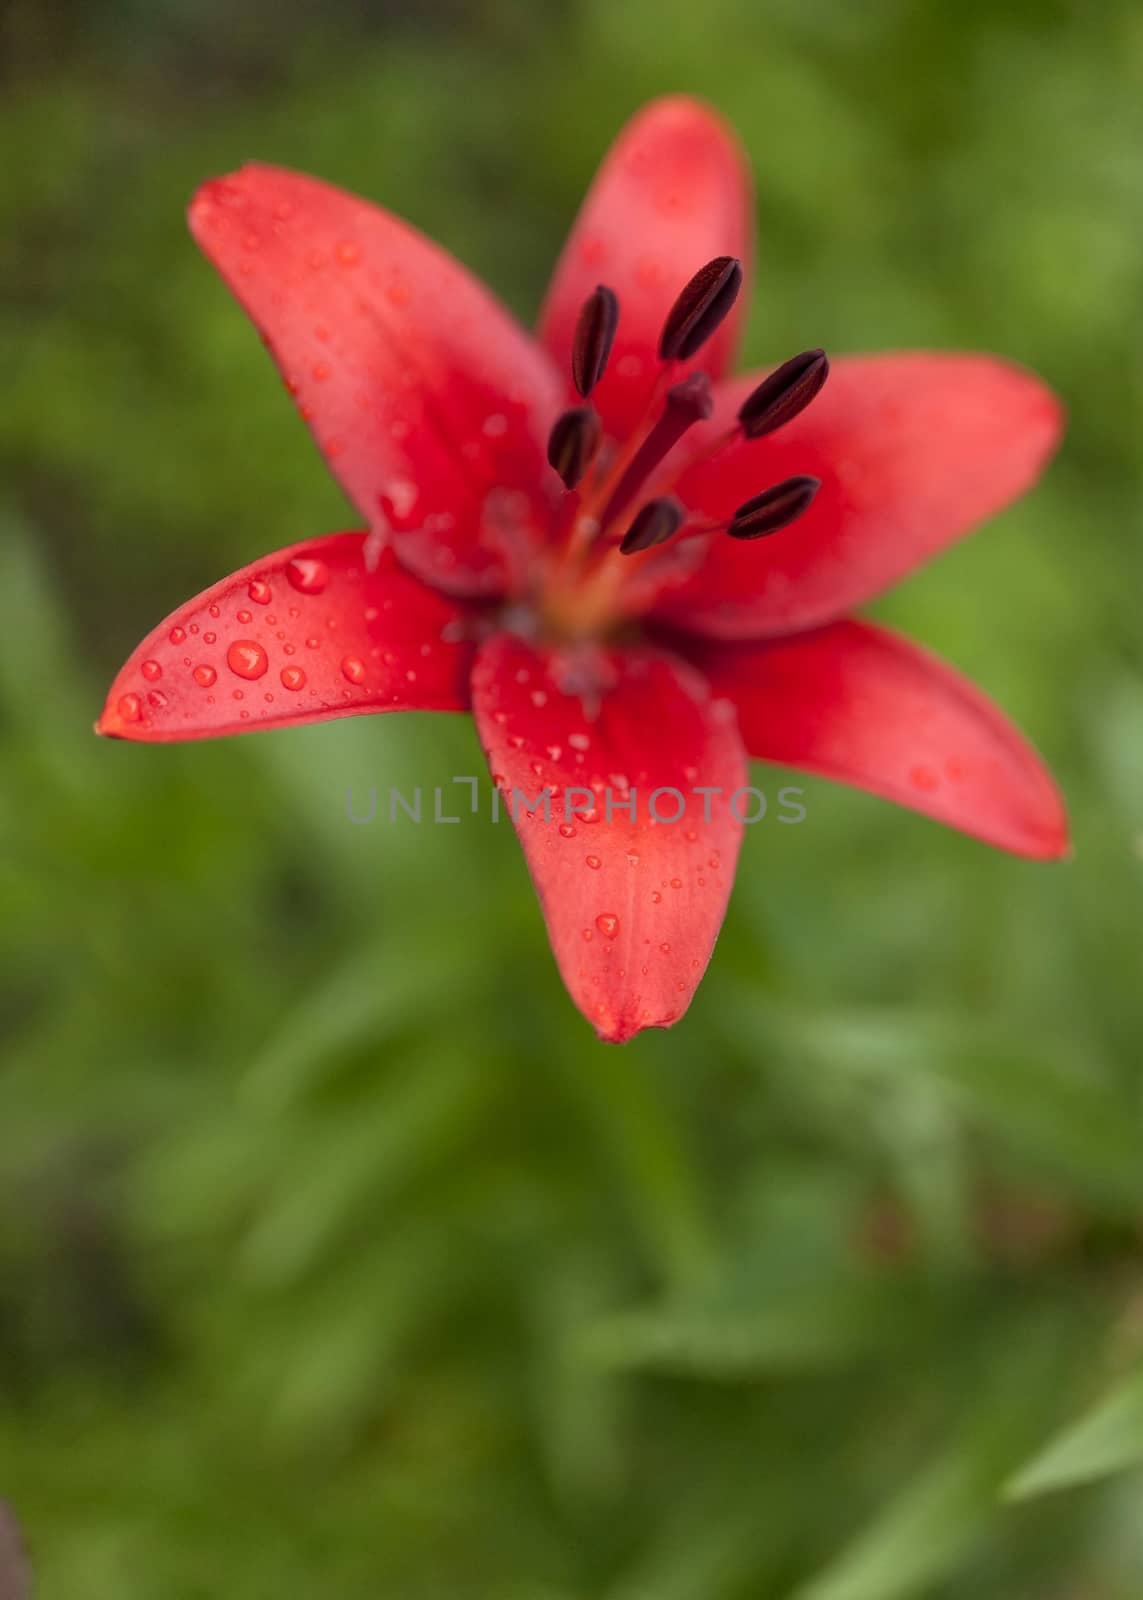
(246, 659)
(292, 678)
(320, 371)
(554, 750)
(215, 611)
(245, 616)
(152, 671)
(307, 574)
(656, 897)
(260, 592)
(924, 778)
(566, 830)
(588, 936)
(594, 863)
(608, 924)
(157, 699)
(177, 635)
(204, 676)
(313, 643)
(691, 835)
(676, 883)
(665, 948)
(347, 253)
(579, 741)
(401, 495)
(353, 669)
(632, 858)
(209, 638)
(539, 698)
(129, 707)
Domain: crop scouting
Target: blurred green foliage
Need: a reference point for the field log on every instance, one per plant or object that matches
(335, 1258)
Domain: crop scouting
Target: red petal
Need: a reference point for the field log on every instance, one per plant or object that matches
(912, 450)
(858, 704)
(302, 635)
(673, 193)
(633, 907)
(423, 394)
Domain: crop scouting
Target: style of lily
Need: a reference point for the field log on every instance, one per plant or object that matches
(634, 571)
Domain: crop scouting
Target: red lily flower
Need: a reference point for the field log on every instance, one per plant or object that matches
(627, 628)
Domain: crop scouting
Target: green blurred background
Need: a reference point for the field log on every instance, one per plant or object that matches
(336, 1259)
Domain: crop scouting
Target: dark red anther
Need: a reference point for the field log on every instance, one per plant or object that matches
(788, 390)
(594, 336)
(572, 444)
(700, 308)
(687, 402)
(774, 508)
(653, 523)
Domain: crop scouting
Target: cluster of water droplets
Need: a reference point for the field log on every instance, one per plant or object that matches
(575, 760)
(287, 616)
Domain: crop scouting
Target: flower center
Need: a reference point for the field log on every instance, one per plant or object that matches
(622, 534)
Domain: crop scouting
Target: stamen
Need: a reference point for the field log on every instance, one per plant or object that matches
(653, 523)
(787, 391)
(687, 402)
(700, 308)
(573, 442)
(594, 336)
(774, 508)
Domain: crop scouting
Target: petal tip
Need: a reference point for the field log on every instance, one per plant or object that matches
(1047, 416)
(112, 724)
(624, 1028)
(1054, 843)
(683, 110)
(1048, 835)
(217, 196)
